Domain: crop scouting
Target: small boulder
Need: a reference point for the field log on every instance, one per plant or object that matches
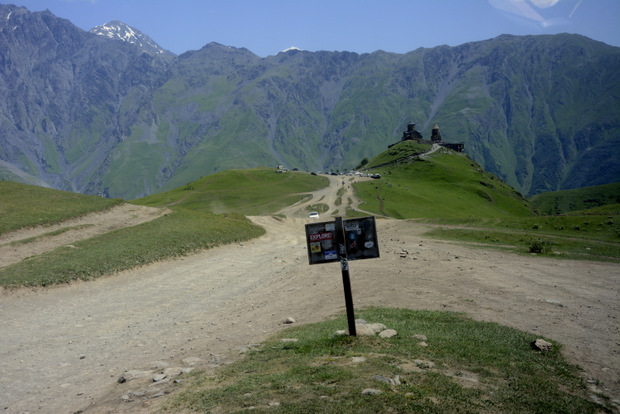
(362, 330)
(381, 378)
(289, 320)
(159, 377)
(378, 327)
(388, 333)
(542, 345)
(370, 391)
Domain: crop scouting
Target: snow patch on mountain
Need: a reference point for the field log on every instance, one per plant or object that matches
(291, 48)
(121, 31)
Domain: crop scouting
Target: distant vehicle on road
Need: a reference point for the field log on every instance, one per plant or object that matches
(376, 176)
(314, 214)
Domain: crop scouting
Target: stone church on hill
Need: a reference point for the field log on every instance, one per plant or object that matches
(412, 134)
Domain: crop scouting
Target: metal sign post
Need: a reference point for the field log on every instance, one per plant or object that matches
(343, 240)
(346, 281)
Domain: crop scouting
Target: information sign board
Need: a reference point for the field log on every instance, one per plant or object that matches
(360, 239)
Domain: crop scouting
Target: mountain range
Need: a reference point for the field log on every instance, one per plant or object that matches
(109, 112)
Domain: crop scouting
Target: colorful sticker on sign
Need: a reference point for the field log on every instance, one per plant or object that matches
(315, 247)
(321, 236)
(331, 255)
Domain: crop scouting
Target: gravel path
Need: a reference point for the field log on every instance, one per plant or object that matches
(62, 349)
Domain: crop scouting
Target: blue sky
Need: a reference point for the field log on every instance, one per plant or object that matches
(268, 26)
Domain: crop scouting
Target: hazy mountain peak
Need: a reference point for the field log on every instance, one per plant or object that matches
(121, 31)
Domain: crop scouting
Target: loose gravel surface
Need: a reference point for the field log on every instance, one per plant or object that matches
(63, 349)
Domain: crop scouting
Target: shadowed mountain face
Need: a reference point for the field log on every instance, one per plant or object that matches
(98, 115)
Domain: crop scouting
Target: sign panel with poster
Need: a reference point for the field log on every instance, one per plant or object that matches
(360, 235)
(360, 239)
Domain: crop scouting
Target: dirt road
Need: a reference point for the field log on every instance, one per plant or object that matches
(62, 349)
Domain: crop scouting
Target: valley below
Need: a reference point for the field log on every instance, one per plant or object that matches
(63, 348)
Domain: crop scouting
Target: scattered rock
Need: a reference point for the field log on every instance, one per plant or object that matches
(542, 345)
(381, 378)
(173, 372)
(289, 340)
(191, 361)
(422, 344)
(289, 320)
(159, 377)
(420, 337)
(135, 374)
(362, 330)
(378, 327)
(390, 381)
(424, 364)
(388, 333)
(358, 360)
(340, 333)
(553, 302)
(409, 367)
(370, 391)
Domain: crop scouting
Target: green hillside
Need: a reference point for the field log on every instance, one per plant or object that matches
(23, 205)
(250, 192)
(448, 188)
(561, 202)
(445, 184)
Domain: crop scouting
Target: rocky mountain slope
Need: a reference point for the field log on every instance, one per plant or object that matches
(91, 114)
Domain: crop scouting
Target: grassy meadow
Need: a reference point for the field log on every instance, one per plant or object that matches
(205, 213)
(466, 367)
